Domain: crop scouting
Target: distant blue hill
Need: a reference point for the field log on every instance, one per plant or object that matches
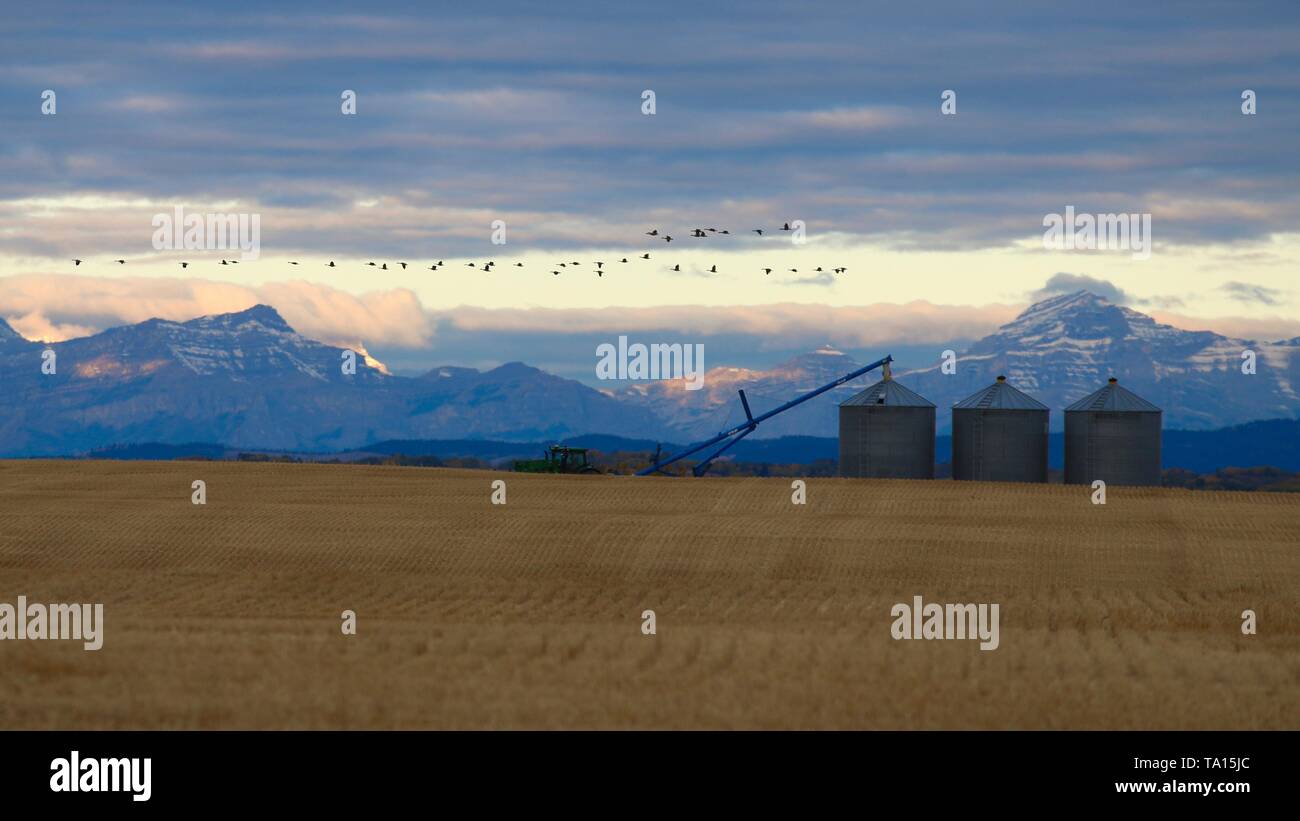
(1274, 442)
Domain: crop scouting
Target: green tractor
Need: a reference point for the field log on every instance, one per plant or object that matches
(558, 459)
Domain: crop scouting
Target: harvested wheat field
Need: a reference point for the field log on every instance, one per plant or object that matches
(528, 615)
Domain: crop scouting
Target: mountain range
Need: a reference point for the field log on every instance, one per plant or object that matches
(247, 380)
(1058, 350)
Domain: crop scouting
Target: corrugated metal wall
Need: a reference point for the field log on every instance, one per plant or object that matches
(1117, 447)
(995, 445)
(887, 442)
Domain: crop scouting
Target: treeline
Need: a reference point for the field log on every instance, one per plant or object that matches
(625, 463)
(1256, 478)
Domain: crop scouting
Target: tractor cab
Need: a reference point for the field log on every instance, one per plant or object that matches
(558, 459)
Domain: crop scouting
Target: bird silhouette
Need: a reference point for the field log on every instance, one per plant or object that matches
(75, 263)
(575, 263)
(223, 262)
(645, 256)
(713, 269)
(677, 267)
(291, 262)
(185, 265)
(653, 233)
(331, 265)
(786, 227)
(519, 265)
(724, 231)
(698, 233)
(121, 262)
(557, 273)
(758, 231)
(794, 270)
(384, 267)
(767, 271)
(668, 239)
(624, 259)
(371, 264)
(598, 264)
(403, 264)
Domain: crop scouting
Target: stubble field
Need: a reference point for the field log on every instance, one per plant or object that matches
(528, 614)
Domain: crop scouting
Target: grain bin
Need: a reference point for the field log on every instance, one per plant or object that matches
(999, 434)
(1112, 435)
(887, 432)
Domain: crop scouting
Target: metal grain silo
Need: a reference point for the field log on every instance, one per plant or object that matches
(1112, 435)
(887, 432)
(999, 434)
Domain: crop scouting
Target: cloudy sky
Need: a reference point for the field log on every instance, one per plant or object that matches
(532, 113)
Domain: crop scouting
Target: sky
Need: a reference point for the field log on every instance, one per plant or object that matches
(532, 114)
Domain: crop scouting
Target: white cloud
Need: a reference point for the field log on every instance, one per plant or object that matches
(53, 308)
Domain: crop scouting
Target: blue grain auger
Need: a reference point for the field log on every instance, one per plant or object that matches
(734, 435)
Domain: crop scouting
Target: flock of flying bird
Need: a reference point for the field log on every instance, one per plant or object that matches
(600, 266)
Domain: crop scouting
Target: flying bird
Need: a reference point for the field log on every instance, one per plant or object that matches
(519, 265)
(403, 264)
(677, 267)
(291, 262)
(598, 264)
(786, 227)
(653, 233)
(557, 273)
(76, 262)
(384, 267)
(713, 269)
(370, 264)
(331, 265)
(185, 265)
(121, 262)
(758, 231)
(645, 256)
(767, 271)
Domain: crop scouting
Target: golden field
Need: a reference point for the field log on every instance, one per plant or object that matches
(528, 615)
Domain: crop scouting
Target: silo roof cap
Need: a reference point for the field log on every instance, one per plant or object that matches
(1111, 397)
(1001, 396)
(894, 394)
